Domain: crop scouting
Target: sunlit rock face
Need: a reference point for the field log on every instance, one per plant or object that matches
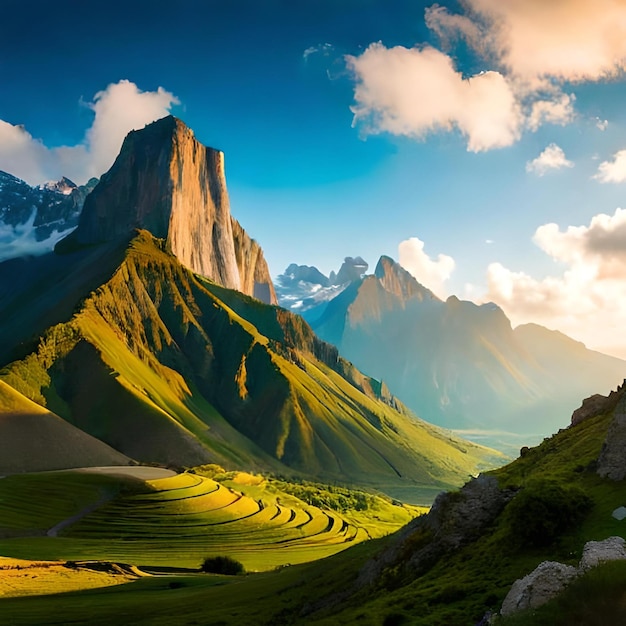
(168, 183)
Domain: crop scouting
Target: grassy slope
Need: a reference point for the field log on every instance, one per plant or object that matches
(34, 439)
(456, 591)
(462, 587)
(177, 521)
(167, 367)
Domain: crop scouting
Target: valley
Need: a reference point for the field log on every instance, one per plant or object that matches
(177, 448)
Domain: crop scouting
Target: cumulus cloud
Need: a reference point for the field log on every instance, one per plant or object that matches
(416, 91)
(118, 109)
(587, 300)
(613, 171)
(413, 91)
(535, 40)
(429, 272)
(552, 158)
(559, 110)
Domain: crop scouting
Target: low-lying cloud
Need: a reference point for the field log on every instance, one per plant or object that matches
(118, 109)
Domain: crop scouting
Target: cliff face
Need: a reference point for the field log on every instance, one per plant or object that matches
(254, 273)
(168, 183)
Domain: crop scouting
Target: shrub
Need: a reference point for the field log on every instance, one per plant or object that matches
(543, 510)
(222, 565)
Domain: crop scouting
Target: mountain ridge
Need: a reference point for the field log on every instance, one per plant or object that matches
(458, 364)
(165, 181)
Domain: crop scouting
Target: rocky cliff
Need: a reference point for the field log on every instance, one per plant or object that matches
(167, 182)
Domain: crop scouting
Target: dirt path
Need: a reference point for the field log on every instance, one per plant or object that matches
(54, 531)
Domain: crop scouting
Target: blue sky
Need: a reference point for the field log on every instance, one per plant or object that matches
(362, 127)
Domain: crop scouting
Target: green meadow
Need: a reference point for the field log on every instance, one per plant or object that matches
(179, 520)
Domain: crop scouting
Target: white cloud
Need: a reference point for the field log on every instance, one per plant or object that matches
(559, 110)
(587, 300)
(613, 171)
(416, 91)
(552, 158)
(430, 273)
(533, 47)
(601, 124)
(535, 40)
(324, 49)
(118, 109)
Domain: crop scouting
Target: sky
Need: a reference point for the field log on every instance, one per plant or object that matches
(481, 143)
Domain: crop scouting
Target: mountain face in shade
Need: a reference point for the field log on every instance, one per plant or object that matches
(168, 183)
(458, 364)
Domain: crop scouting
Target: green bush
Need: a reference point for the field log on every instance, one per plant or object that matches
(543, 510)
(222, 565)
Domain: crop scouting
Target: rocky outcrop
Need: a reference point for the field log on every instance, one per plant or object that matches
(253, 270)
(612, 459)
(550, 578)
(396, 280)
(541, 585)
(597, 405)
(455, 519)
(597, 552)
(167, 182)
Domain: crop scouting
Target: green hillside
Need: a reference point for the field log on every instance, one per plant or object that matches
(406, 578)
(167, 367)
(177, 521)
(32, 439)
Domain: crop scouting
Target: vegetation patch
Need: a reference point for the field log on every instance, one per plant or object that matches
(222, 565)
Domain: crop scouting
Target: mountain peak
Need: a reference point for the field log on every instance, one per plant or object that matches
(168, 183)
(395, 279)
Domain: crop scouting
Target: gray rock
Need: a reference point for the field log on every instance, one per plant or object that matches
(596, 552)
(619, 513)
(612, 459)
(538, 587)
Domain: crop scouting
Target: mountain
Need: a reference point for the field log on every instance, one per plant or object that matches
(167, 182)
(33, 219)
(116, 334)
(458, 364)
(303, 287)
(32, 439)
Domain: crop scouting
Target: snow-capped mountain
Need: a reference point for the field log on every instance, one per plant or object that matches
(33, 219)
(302, 287)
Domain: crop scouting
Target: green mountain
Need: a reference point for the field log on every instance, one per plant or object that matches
(32, 439)
(129, 343)
(458, 364)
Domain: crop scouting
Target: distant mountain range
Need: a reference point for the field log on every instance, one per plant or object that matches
(454, 363)
(33, 219)
(150, 329)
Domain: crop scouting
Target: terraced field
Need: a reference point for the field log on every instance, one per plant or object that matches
(170, 522)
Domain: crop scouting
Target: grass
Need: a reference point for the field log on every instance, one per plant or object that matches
(203, 374)
(178, 521)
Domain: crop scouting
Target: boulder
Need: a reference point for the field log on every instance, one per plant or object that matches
(596, 552)
(545, 582)
(612, 459)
